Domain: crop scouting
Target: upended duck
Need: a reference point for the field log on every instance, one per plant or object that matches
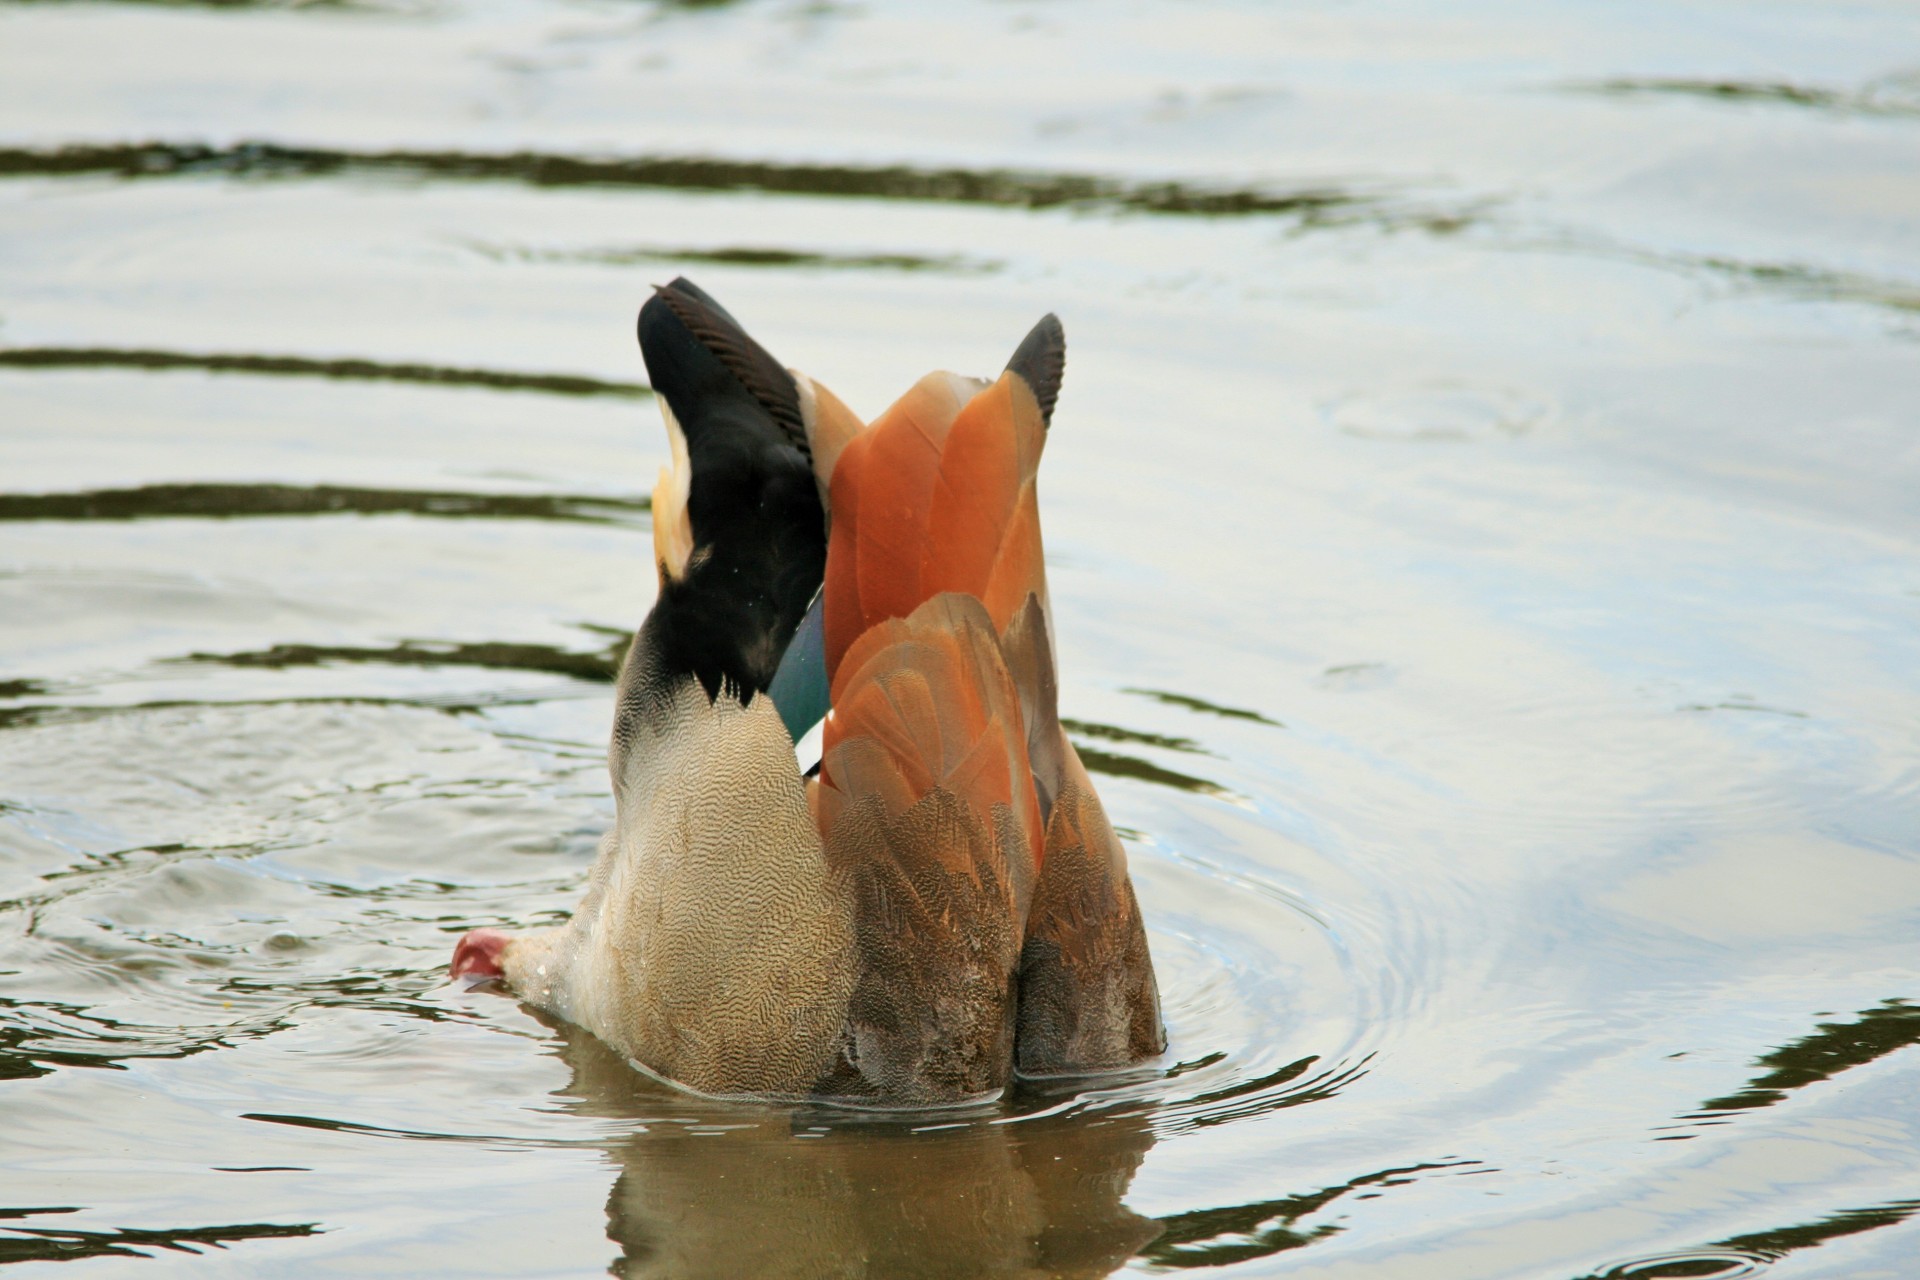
(945, 904)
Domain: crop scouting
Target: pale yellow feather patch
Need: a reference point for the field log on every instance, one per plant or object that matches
(672, 526)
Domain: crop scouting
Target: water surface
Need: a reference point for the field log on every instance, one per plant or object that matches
(1485, 516)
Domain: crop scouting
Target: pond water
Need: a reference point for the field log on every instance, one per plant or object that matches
(1485, 519)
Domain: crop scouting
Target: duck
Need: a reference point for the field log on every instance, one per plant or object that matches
(938, 906)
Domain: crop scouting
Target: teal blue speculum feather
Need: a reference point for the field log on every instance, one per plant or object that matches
(799, 689)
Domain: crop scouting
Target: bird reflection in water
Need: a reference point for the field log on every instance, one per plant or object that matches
(710, 1188)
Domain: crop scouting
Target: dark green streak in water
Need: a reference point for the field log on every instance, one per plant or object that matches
(413, 1135)
(1815, 283)
(52, 1244)
(18, 1061)
(558, 384)
(1769, 92)
(208, 4)
(1239, 1233)
(1260, 1084)
(49, 713)
(1116, 765)
(1114, 733)
(1833, 1048)
(742, 256)
(1204, 1060)
(1774, 1245)
(367, 991)
(601, 666)
(1205, 708)
(1008, 187)
(25, 1030)
(228, 501)
(364, 6)
(1263, 1095)
(1726, 1257)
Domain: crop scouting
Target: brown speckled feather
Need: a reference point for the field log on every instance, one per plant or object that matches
(926, 810)
(1088, 1000)
(948, 790)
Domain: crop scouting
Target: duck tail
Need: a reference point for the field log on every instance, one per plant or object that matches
(938, 495)
(939, 646)
(739, 530)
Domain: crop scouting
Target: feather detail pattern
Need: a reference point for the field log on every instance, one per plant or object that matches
(928, 811)
(714, 946)
(1088, 1000)
(946, 903)
(948, 793)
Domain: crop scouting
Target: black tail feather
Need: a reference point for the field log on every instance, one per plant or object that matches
(1041, 361)
(712, 329)
(758, 530)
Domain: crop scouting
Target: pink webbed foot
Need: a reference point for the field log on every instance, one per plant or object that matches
(478, 954)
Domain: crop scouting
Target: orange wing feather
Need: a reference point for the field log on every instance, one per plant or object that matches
(948, 792)
(932, 694)
(937, 495)
(935, 533)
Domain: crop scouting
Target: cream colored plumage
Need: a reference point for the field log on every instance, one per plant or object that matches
(712, 946)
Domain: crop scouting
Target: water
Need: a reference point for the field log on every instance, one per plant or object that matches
(1485, 519)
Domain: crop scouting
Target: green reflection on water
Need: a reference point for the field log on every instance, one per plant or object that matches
(600, 666)
(352, 370)
(1738, 1255)
(1881, 98)
(56, 1244)
(1774, 1245)
(1239, 1233)
(1114, 733)
(1117, 765)
(1833, 1048)
(1009, 187)
(741, 256)
(335, 5)
(1190, 703)
(227, 501)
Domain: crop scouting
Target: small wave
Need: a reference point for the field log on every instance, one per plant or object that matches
(1020, 189)
(512, 1141)
(334, 6)
(1188, 702)
(237, 501)
(38, 1037)
(1690, 1264)
(1223, 1236)
(742, 256)
(1117, 733)
(68, 1244)
(454, 704)
(1117, 764)
(1832, 1048)
(1293, 1085)
(600, 666)
(1745, 1255)
(1893, 96)
(351, 370)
